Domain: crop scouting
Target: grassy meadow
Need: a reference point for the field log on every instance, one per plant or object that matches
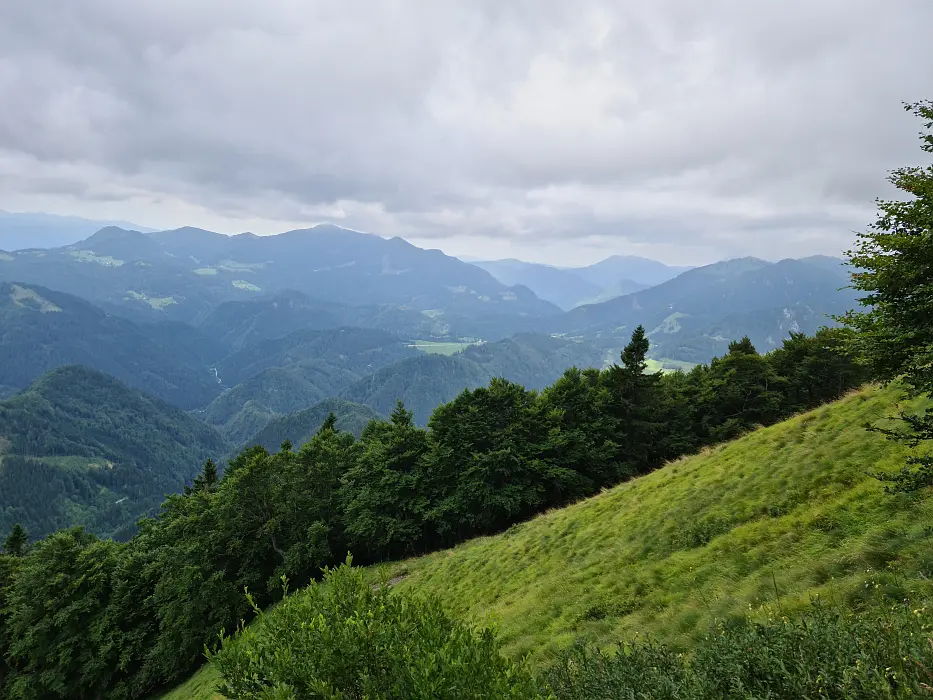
(438, 347)
(757, 527)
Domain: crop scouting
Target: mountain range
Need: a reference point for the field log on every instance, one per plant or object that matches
(216, 342)
(186, 273)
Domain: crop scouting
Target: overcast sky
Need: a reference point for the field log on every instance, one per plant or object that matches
(553, 130)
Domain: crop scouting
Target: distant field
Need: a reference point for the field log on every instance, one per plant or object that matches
(666, 365)
(248, 286)
(157, 303)
(439, 348)
(88, 256)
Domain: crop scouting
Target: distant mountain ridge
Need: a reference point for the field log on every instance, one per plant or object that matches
(568, 287)
(36, 230)
(694, 316)
(186, 273)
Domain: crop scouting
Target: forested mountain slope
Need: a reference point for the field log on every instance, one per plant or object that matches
(80, 447)
(422, 383)
(41, 329)
(299, 427)
(425, 382)
(356, 350)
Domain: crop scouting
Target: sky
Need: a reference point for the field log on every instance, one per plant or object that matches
(548, 130)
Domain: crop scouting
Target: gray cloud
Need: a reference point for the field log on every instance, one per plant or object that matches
(548, 128)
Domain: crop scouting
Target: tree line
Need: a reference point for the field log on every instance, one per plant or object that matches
(92, 618)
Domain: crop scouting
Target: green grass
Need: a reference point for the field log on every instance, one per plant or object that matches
(157, 303)
(439, 348)
(754, 526)
(759, 527)
(23, 296)
(248, 286)
(668, 365)
(90, 257)
(201, 686)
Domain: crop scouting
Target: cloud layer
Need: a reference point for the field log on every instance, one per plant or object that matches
(551, 129)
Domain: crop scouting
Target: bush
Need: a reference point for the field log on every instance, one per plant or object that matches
(827, 654)
(342, 638)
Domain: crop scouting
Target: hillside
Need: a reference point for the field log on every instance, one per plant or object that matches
(535, 360)
(43, 329)
(422, 383)
(251, 321)
(425, 382)
(79, 447)
(273, 391)
(247, 322)
(756, 525)
(300, 426)
(693, 316)
(356, 350)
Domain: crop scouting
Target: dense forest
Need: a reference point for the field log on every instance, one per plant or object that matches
(490, 458)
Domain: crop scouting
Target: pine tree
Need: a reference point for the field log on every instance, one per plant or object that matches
(17, 542)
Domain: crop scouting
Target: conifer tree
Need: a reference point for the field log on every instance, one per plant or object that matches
(17, 542)
(634, 404)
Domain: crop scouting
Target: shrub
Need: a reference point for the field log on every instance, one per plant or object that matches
(343, 638)
(826, 654)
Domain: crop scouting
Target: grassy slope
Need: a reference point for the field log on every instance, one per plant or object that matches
(758, 526)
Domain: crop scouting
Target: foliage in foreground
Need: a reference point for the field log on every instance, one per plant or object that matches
(893, 268)
(346, 639)
(830, 654)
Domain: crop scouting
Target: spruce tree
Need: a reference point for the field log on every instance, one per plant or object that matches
(634, 406)
(329, 424)
(17, 542)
